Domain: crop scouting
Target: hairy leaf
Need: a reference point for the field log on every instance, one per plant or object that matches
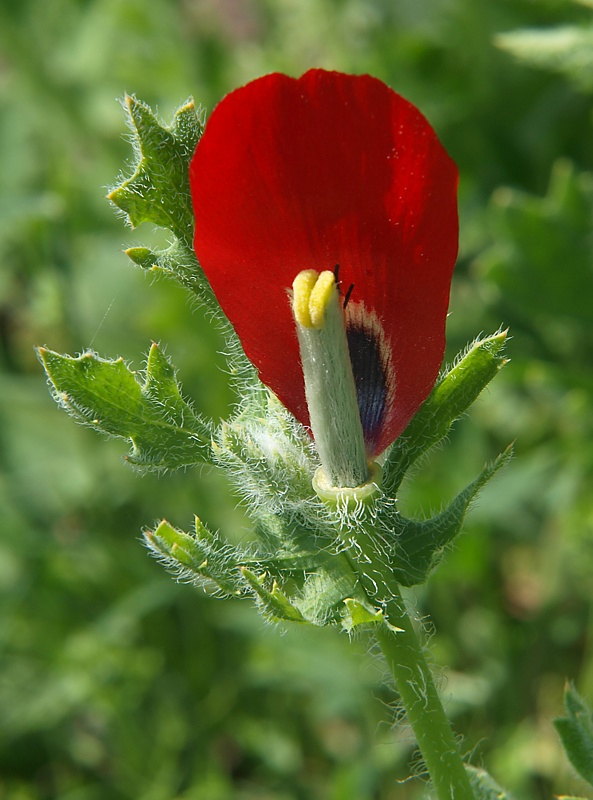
(158, 191)
(164, 430)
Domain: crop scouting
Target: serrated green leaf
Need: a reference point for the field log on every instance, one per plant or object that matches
(273, 604)
(200, 556)
(454, 392)
(576, 732)
(158, 191)
(420, 545)
(164, 430)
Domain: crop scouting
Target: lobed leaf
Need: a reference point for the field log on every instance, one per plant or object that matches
(158, 190)
(164, 430)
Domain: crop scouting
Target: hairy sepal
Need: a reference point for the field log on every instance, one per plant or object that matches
(145, 409)
(270, 459)
(200, 557)
(420, 545)
(454, 392)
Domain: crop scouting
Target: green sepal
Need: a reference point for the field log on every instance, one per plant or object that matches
(359, 614)
(200, 557)
(158, 191)
(454, 392)
(420, 545)
(273, 604)
(164, 430)
(269, 457)
(484, 785)
(576, 732)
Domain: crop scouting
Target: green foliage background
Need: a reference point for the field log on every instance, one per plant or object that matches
(114, 681)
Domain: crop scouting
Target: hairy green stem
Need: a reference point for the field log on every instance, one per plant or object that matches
(423, 706)
(413, 679)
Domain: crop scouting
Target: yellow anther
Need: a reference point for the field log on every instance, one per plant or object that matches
(311, 294)
(320, 297)
(302, 286)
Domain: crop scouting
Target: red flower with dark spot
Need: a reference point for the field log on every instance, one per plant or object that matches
(325, 170)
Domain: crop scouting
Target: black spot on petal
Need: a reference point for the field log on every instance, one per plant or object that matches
(370, 378)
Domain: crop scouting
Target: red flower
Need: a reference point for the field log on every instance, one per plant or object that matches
(327, 170)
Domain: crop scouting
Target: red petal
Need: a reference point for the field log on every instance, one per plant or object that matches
(324, 170)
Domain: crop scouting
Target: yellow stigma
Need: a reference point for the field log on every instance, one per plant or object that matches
(311, 294)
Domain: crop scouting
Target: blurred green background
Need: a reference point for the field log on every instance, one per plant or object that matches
(118, 684)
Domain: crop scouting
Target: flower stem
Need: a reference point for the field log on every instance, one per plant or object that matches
(413, 679)
(422, 704)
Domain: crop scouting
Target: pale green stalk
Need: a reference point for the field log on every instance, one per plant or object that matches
(329, 383)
